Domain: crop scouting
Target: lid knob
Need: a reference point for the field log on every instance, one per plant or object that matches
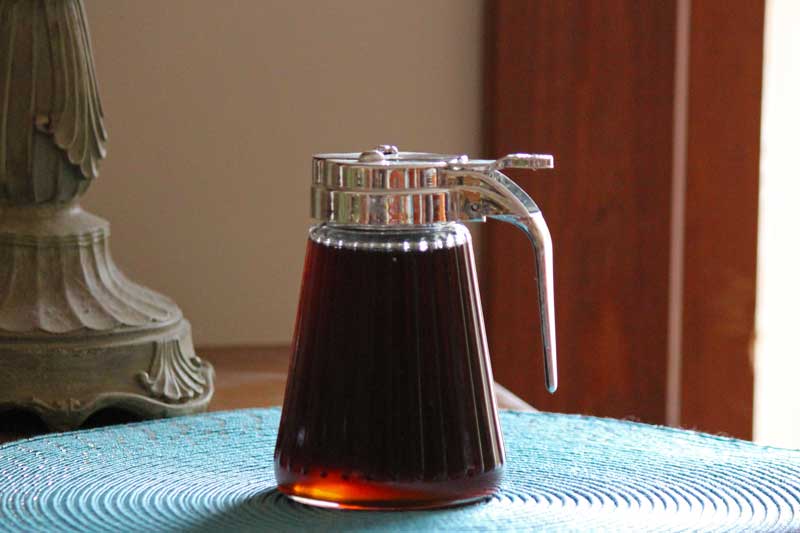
(371, 156)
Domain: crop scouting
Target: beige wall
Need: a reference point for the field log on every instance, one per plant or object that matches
(213, 110)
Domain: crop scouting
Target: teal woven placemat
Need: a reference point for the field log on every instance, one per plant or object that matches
(214, 472)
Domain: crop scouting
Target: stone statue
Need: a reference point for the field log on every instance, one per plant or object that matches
(76, 335)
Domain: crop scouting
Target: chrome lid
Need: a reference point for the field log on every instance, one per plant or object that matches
(387, 187)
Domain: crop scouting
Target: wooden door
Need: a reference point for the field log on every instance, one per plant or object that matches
(652, 111)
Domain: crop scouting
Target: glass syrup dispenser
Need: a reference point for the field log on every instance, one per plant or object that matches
(390, 402)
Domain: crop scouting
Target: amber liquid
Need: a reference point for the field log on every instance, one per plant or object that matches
(389, 401)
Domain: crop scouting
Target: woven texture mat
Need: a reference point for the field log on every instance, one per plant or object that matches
(214, 472)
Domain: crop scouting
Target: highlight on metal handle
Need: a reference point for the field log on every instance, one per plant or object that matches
(489, 192)
(536, 229)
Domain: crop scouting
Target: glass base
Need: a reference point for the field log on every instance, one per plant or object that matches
(384, 505)
(335, 491)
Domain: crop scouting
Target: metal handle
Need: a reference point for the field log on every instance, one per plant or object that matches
(489, 192)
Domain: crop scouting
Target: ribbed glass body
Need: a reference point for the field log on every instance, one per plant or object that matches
(389, 402)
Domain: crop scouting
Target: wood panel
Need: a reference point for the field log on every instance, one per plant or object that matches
(722, 215)
(590, 82)
(246, 377)
(255, 376)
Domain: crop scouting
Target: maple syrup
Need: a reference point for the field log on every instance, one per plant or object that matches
(390, 399)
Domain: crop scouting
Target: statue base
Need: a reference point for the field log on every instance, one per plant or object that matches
(76, 336)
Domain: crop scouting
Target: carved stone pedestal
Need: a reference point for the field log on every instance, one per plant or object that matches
(76, 335)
